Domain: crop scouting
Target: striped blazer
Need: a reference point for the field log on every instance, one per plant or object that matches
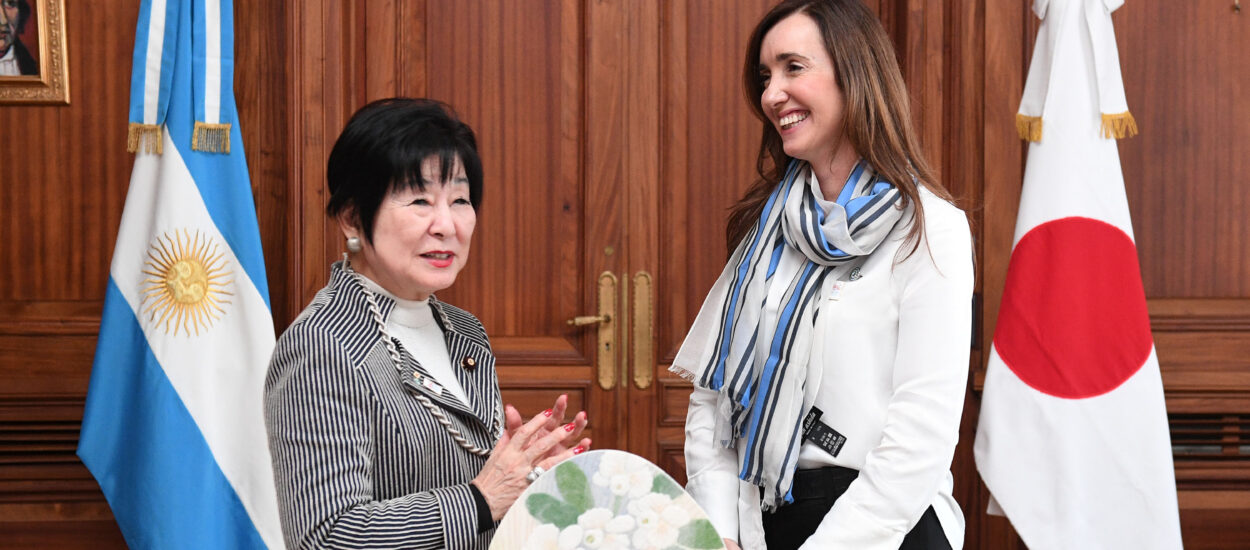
(358, 461)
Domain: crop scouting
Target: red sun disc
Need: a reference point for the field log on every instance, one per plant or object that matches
(1073, 321)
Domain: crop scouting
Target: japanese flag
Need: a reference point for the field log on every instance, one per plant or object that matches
(1073, 439)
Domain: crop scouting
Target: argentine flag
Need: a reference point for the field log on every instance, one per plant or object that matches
(173, 428)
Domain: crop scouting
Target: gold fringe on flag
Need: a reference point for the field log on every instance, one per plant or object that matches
(211, 138)
(146, 135)
(1029, 127)
(1119, 125)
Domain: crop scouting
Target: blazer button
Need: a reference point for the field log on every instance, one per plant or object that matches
(468, 363)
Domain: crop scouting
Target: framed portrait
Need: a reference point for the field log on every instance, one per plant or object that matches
(33, 64)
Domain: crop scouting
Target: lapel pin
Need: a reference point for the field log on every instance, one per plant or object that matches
(468, 363)
(836, 291)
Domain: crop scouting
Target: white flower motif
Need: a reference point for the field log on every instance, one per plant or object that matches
(624, 474)
(675, 515)
(615, 541)
(621, 524)
(601, 519)
(659, 506)
(658, 536)
(660, 520)
(594, 518)
(654, 502)
(592, 538)
(543, 537)
(570, 537)
(647, 519)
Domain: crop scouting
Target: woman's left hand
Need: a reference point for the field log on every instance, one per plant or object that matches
(555, 421)
(506, 473)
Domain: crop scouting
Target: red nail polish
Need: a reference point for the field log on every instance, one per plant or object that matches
(547, 412)
(568, 427)
(579, 450)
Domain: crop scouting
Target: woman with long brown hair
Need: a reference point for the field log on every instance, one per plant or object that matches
(830, 358)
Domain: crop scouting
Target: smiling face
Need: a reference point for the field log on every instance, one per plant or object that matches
(800, 95)
(420, 237)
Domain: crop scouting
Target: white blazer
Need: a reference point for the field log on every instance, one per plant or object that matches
(893, 344)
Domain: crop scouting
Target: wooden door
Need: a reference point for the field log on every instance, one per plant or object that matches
(704, 143)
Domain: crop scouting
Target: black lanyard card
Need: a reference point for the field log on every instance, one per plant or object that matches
(821, 434)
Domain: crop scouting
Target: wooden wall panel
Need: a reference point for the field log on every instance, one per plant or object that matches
(324, 91)
(64, 172)
(262, 76)
(63, 181)
(1185, 76)
(62, 186)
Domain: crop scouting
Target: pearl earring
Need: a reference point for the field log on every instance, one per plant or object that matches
(353, 244)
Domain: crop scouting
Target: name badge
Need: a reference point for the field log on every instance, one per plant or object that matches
(821, 434)
(429, 384)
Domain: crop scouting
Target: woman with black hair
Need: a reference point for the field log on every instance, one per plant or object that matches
(382, 403)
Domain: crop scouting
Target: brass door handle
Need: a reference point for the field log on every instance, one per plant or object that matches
(643, 356)
(605, 354)
(583, 320)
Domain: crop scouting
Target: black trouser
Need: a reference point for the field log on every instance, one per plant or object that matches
(814, 493)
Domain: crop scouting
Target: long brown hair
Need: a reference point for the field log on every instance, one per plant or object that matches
(878, 110)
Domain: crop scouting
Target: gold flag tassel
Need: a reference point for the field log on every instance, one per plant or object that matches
(1029, 127)
(211, 138)
(146, 135)
(1119, 125)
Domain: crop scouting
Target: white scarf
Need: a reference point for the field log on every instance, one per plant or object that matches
(752, 338)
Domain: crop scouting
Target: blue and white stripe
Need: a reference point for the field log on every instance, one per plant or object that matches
(153, 66)
(173, 426)
(752, 337)
(213, 60)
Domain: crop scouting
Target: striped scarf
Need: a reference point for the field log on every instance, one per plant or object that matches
(753, 336)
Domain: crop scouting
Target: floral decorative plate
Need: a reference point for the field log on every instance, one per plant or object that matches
(606, 500)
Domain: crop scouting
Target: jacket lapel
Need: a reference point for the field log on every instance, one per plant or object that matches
(417, 379)
(468, 350)
(474, 364)
(475, 369)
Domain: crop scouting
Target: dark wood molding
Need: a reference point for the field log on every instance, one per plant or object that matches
(1199, 314)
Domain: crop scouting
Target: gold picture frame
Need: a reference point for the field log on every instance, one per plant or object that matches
(42, 24)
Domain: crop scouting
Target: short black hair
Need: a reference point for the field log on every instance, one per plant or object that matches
(382, 148)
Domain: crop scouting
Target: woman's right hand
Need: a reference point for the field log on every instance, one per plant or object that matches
(555, 421)
(503, 477)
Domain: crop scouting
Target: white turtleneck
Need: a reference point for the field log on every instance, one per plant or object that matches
(412, 323)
